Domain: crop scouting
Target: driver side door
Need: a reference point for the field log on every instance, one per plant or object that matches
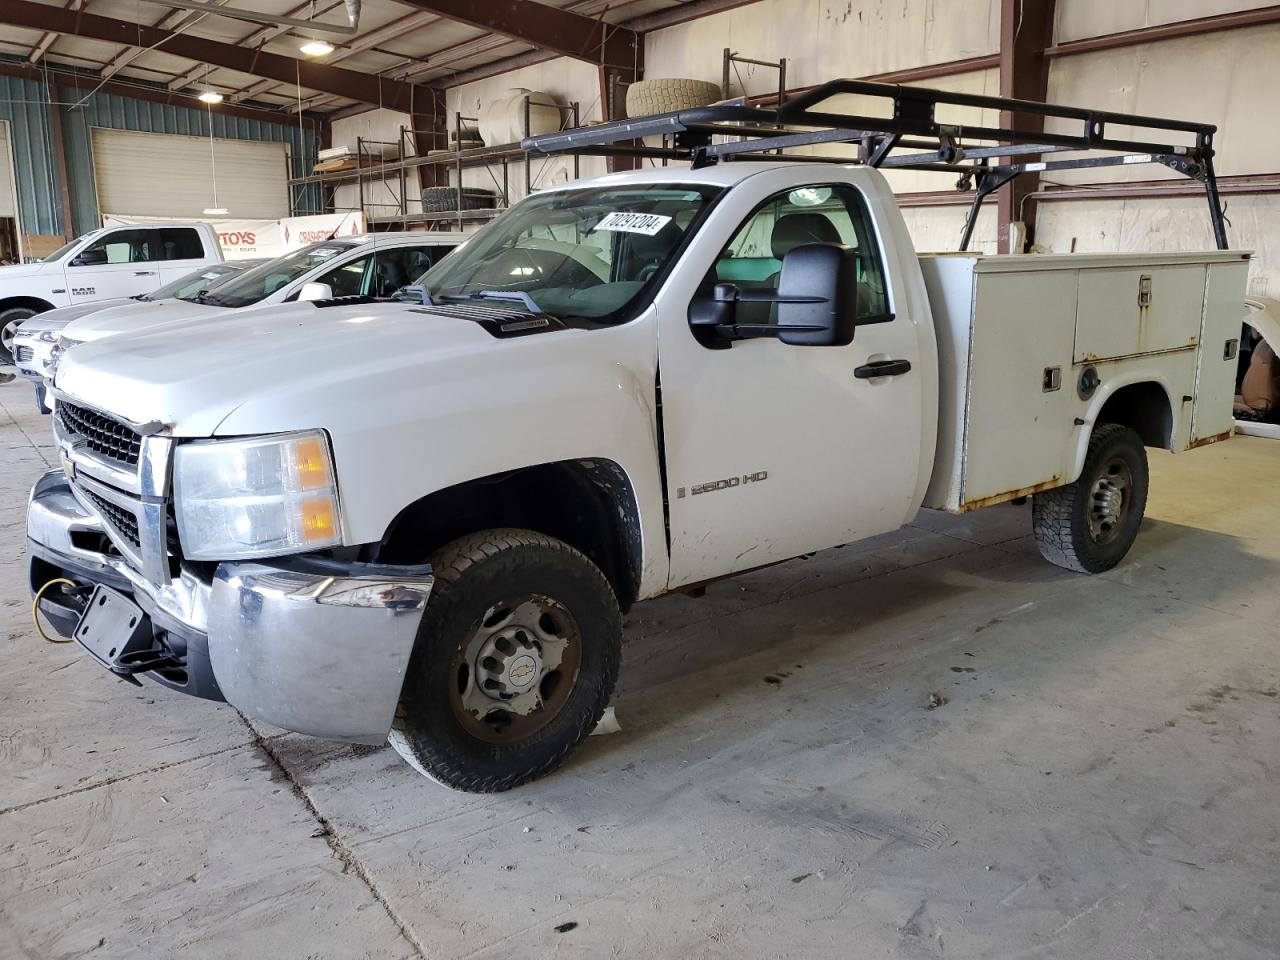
(772, 450)
(132, 266)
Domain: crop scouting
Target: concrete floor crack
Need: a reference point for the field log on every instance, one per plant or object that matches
(340, 850)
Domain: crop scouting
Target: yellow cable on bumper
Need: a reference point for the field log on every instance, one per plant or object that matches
(35, 609)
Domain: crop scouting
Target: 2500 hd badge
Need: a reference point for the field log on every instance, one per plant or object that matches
(728, 483)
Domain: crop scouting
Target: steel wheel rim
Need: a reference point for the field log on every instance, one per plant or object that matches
(9, 333)
(515, 671)
(1109, 500)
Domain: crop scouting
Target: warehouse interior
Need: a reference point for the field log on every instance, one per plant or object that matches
(920, 741)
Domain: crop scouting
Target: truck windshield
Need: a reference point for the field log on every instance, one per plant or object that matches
(583, 254)
(188, 286)
(66, 248)
(265, 279)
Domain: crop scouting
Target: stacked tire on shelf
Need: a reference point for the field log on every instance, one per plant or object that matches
(669, 94)
(445, 199)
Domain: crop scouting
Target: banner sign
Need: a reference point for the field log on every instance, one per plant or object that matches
(252, 239)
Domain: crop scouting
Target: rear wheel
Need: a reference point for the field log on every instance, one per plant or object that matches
(514, 663)
(1089, 525)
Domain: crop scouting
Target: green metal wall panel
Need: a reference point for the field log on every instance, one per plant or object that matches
(25, 104)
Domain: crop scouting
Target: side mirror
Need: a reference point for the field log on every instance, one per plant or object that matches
(90, 258)
(315, 291)
(818, 296)
(817, 302)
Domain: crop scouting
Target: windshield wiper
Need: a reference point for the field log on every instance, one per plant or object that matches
(515, 296)
(209, 299)
(140, 296)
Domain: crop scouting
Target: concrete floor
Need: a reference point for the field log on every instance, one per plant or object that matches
(1103, 780)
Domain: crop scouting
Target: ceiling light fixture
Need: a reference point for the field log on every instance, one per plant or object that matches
(316, 48)
(213, 210)
(210, 96)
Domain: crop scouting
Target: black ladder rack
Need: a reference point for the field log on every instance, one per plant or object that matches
(968, 150)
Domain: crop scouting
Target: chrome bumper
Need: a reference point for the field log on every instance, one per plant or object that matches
(312, 645)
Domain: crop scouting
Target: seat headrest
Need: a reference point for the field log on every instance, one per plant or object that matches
(797, 229)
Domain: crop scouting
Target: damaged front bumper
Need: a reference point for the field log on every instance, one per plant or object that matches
(313, 645)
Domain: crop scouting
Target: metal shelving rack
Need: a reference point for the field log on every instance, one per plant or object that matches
(373, 168)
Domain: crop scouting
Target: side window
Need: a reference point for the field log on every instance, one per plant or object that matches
(181, 243)
(823, 213)
(346, 280)
(129, 246)
(399, 267)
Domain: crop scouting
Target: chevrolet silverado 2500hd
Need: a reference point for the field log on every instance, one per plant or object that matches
(365, 519)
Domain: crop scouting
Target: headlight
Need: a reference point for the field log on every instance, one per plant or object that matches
(260, 497)
(61, 346)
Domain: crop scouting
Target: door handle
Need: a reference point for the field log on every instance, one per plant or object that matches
(144, 273)
(882, 368)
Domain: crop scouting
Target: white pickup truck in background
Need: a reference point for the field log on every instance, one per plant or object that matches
(423, 522)
(103, 264)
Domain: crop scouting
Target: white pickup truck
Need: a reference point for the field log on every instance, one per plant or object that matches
(423, 522)
(103, 264)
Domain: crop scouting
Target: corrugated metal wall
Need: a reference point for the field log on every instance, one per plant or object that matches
(25, 104)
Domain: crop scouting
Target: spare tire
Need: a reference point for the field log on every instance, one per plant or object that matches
(445, 199)
(667, 95)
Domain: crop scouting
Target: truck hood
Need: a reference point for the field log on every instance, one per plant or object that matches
(59, 317)
(132, 315)
(19, 271)
(190, 375)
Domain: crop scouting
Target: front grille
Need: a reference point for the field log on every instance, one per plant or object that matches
(123, 520)
(23, 354)
(103, 435)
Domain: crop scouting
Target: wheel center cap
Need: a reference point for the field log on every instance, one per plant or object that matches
(522, 671)
(1111, 502)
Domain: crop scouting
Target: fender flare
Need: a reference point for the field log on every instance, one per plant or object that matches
(1108, 389)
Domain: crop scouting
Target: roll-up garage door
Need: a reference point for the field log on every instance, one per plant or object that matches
(165, 175)
(8, 194)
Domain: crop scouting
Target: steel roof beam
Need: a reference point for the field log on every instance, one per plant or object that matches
(394, 94)
(82, 81)
(558, 31)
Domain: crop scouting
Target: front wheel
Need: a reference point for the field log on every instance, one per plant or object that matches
(1089, 525)
(9, 322)
(514, 663)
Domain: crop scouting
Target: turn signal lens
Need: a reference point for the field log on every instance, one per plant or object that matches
(317, 520)
(311, 459)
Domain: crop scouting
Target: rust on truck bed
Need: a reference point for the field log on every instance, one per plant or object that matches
(991, 501)
(1205, 441)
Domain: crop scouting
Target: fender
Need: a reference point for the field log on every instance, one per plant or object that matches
(1151, 370)
(472, 407)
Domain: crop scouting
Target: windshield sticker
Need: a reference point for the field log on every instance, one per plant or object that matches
(647, 223)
